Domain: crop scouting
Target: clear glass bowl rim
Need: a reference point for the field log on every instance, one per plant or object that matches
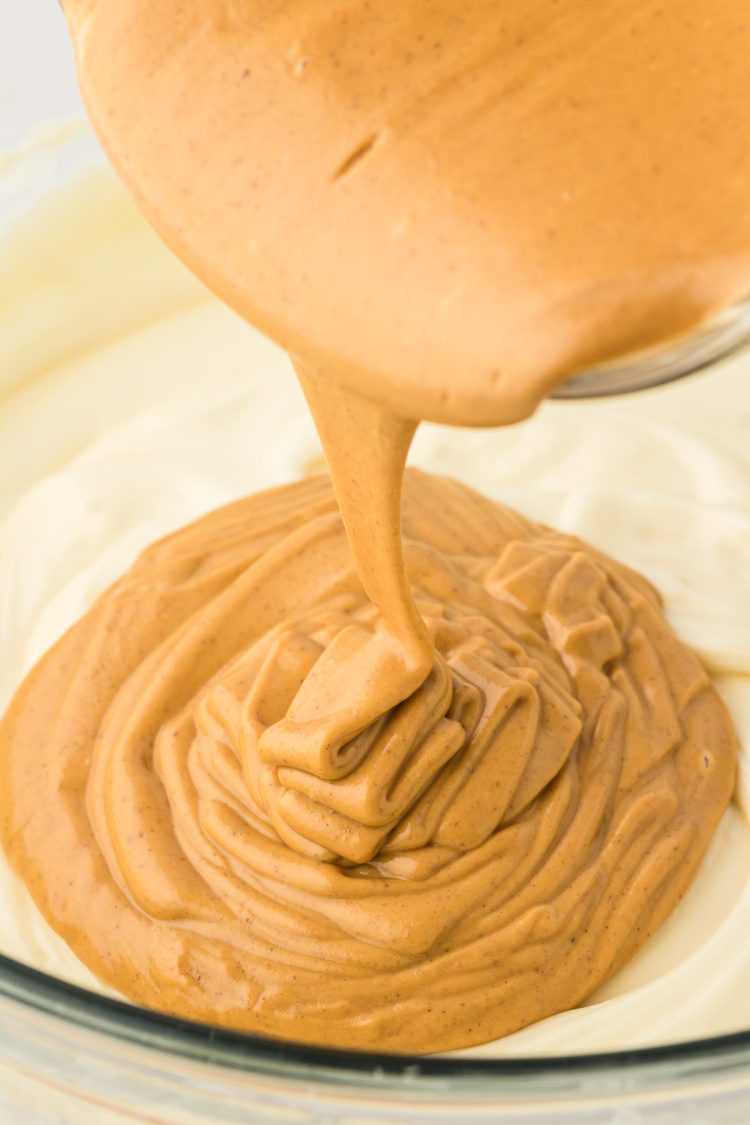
(235, 1051)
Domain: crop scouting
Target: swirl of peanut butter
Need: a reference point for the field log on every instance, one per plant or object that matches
(317, 767)
(482, 853)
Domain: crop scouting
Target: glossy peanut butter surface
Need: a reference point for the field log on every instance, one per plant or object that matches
(296, 773)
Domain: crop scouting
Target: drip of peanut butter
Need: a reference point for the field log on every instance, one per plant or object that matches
(298, 772)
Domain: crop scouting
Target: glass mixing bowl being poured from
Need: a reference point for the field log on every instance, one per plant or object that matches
(723, 336)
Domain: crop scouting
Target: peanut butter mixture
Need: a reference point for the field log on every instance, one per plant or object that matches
(337, 764)
(227, 820)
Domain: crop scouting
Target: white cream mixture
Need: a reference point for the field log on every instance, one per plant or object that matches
(131, 402)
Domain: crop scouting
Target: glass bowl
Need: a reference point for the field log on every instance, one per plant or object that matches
(69, 1055)
(723, 336)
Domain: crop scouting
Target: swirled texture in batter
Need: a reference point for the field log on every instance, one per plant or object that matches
(485, 854)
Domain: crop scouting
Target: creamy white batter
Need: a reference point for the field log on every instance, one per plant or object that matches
(131, 402)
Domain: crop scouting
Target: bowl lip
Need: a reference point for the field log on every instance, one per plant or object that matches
(245, 1053)
(719, 338)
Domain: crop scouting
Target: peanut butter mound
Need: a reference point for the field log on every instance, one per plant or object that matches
(486, 852)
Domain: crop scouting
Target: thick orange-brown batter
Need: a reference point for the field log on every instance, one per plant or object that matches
(296, 774)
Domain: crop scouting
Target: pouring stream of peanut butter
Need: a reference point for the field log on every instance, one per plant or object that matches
(314, 766)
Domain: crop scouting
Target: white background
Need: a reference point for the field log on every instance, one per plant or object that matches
(37, 77)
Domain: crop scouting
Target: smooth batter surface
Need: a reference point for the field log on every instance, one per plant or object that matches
(473, 784)
(148, 445)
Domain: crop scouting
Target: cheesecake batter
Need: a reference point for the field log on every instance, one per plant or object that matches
(447, 794)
